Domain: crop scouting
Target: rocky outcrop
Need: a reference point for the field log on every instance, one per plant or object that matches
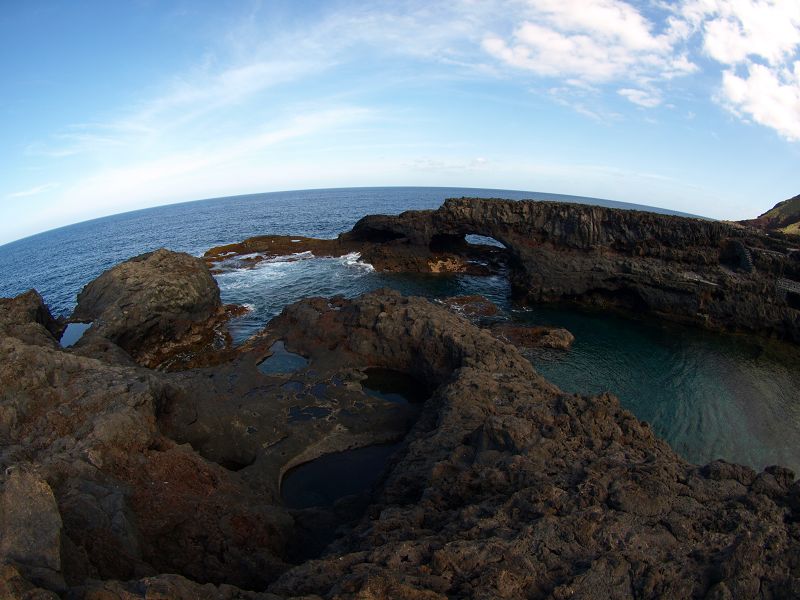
(708, 273)
(82, 435)
(155, 307)
(31, 526)
(784, 217)
(675, 267)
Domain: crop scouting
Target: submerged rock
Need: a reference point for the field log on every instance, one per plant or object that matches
(472, 306)
(534, 336)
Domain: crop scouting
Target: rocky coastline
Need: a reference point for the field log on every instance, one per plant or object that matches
(711, 274)
(148, 459)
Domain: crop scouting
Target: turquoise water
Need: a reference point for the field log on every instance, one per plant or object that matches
(710, 396)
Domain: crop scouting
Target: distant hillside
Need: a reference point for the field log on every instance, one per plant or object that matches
(784, 216)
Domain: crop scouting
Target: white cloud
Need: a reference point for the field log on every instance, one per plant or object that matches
(595, 41)
(771, 97)
(605, 42)
(643, 98)
(736, 30)
(757, 42)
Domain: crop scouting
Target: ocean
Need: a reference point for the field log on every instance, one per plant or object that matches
(709, 395)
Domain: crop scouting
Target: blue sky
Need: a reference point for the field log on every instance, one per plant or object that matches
(111, 106)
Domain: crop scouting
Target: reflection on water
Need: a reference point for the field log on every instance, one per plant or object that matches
(281, 360)
(73, 333)
(709, 395)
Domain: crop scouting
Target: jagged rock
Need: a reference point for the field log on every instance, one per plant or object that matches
(534, 336)
(31, 527)
(672, 266)
(153, 306)
(133, 502)
(27, 318)
(510, 488)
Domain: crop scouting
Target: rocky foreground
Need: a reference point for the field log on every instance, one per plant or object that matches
(146, 461)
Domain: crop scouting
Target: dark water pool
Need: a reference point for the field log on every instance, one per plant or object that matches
(325, 480)
(393, 386)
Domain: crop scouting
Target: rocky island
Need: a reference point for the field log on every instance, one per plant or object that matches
(150, 459)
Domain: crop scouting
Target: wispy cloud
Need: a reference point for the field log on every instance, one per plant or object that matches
(190, 174)
(34, 191)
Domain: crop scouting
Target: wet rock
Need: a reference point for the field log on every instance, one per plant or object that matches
(534, 336)
(471, 306)
(153, 306)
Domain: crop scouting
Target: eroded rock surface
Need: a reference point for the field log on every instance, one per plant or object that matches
(510, 488)
(120, 481)
(131, 502)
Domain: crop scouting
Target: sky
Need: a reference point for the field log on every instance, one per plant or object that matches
(109, 106)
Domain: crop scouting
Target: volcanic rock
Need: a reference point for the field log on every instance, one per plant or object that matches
(511, 488)
(153, 306)
(130, 501)
(31, 526)
(679, 268)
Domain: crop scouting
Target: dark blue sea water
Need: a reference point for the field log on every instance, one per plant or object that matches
(709, 395)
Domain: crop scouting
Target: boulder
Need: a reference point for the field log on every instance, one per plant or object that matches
(153, 306)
